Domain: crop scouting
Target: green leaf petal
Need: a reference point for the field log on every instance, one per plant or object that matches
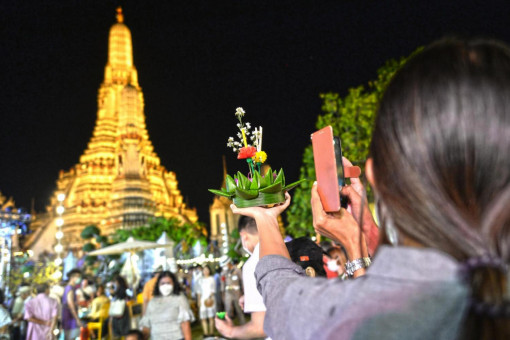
(255, 182)
(230, 184)
(220, 193)
(280, 178)
(293, 185)
(243, 181)
(273, 188)
(246, 194)
(269, 176)
(265, 181)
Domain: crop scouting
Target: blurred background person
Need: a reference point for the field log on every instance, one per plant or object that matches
(120, 324)
(168, 315)
(253, 302)
(233, 291)
(207, 301)
(337, 260)
(70, 321)
(41, 313)
(5, 318)
(85, 293)
(18, 311)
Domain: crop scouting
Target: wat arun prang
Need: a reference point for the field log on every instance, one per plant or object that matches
(119, 181)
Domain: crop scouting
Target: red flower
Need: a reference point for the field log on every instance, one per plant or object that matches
(247, 152)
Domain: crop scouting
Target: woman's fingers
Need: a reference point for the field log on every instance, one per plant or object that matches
(355, 181)
(317, 208)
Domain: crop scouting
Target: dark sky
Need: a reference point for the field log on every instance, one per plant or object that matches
(197, 61)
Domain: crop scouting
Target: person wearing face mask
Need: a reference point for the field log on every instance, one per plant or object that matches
(253, 302)
(71, 323)
(337, 261)
(168, 315)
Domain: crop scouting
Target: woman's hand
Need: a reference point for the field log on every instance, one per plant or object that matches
(360, 210)
(339, 226)
(258, 212)
(271, 242)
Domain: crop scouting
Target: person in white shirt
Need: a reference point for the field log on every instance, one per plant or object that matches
(253, 302)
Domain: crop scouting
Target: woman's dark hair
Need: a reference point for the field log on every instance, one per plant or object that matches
(208, 268)
(100, 288)
(441, 161)
(120, 292)
(176, 287)
(73, 272)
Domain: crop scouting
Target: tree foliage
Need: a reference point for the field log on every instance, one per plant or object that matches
(352, 119)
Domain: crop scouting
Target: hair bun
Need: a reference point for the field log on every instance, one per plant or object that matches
(484, 274)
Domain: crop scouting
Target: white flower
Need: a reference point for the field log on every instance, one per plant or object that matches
(235, 150)
(248, 125)
(239, 125)
(230, 139)
(240, 112)
(239, 135)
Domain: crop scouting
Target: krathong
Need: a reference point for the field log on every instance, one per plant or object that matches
(254, 189)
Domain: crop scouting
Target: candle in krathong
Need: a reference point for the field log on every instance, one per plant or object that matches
(244, 137)
(259, 144)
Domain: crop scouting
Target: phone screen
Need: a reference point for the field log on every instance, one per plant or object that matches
(340, 168)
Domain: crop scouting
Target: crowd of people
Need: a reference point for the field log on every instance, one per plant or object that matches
(169, 305)
(434, 266)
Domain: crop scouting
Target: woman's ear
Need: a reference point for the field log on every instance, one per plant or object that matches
(369, 172)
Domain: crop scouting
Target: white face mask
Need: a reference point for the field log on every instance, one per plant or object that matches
(166, 289)
(245, 249)
(333, 266)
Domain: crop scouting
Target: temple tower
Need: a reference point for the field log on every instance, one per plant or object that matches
(119, 181)
(223, 220)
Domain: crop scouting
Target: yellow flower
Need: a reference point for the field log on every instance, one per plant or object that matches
(260, 157)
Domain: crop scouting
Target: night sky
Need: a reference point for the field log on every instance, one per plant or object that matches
(197, 61)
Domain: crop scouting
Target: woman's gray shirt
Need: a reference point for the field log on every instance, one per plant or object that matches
(407, 293)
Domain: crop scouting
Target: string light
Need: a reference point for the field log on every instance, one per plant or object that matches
(59, 222)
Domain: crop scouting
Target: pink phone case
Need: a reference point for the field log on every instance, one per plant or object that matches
(325, 168)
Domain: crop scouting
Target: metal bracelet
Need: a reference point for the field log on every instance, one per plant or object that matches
(354, 265)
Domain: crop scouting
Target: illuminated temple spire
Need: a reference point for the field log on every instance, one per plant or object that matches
(119, 181)
(120, 69)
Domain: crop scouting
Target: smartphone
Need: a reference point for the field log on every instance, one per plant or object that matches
(329, 170)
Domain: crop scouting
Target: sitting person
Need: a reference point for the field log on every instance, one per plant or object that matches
(85, 293)
(440, 168)
(168, 315)
(97, 309)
